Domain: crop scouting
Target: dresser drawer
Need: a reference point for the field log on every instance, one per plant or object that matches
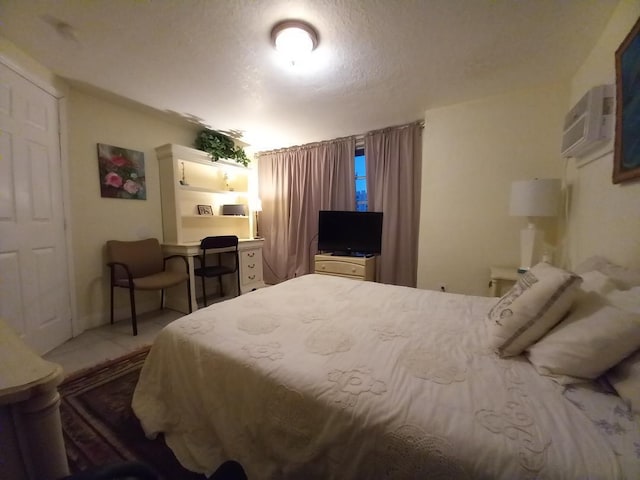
(340, 268)
(361, 268)
(250, 266)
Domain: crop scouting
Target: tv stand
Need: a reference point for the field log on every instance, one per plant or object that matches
(348, 266)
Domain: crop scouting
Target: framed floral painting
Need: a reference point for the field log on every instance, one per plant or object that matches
(121, 172)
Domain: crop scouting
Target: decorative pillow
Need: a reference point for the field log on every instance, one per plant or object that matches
(625, 378)
(623, 277)
(594, 337)
(537, 302)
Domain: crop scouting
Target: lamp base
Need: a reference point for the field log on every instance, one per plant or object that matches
(531, 243)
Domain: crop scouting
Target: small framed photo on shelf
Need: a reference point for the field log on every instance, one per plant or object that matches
(205, 210)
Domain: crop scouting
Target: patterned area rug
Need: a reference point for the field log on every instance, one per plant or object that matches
(100, 427)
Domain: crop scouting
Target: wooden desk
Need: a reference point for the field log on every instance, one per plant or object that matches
(250, 253)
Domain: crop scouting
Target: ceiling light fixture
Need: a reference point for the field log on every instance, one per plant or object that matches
(294, 39)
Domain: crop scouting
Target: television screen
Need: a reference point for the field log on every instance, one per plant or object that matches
(350, 233)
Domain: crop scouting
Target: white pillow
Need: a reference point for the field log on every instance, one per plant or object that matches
(537, 302)
(625, 378)
(595, 336)
(628, 300)
(598, 282)
(623, 277)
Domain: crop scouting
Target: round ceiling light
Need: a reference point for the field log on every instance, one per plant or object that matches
(294, 39)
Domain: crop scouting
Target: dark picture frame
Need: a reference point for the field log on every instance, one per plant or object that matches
(205, 210)
(626, 155)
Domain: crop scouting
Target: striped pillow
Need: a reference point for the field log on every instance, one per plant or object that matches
(535, 304)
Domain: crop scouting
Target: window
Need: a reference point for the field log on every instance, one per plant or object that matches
(361, 181)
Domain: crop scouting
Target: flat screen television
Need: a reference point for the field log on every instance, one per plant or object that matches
(350, 233)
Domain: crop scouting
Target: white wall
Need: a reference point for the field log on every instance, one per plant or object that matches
(22, 62)
(92, 120)
(604, 218)
(471, 154)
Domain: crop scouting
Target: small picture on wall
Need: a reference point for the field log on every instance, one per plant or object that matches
(121, 172)
(205, 210)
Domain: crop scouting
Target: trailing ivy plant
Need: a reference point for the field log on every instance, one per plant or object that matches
(218, 145)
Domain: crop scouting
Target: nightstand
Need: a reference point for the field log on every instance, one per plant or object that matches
(500, 278)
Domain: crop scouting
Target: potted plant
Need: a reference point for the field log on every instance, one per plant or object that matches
(218, 145)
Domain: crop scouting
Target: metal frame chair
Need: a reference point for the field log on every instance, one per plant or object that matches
(208, 271)
(140, 265)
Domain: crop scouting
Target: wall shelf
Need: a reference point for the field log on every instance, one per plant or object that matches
(190, 188)
(208, 183)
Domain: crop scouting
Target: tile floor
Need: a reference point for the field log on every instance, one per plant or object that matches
(109, 341)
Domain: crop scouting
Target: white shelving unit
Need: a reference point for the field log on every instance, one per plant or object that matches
(188, 178)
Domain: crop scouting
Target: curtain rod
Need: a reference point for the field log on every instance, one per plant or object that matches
(305, 146)
(359, 139)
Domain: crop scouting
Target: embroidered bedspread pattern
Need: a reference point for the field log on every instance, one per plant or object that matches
(324, 377)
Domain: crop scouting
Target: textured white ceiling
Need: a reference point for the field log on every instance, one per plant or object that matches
(379, 62)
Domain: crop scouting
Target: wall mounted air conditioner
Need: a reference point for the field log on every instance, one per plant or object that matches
(589, 122)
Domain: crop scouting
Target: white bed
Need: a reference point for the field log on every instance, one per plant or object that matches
(328, 378)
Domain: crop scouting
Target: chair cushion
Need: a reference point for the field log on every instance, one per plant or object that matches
(160, 280)
(157, 281)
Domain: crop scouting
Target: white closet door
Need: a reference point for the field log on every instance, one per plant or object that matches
(34, 277)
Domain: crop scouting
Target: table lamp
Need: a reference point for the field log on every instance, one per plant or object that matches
(531, 199)
(255, 205)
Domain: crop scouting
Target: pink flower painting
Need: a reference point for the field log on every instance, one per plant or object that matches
(121, 172)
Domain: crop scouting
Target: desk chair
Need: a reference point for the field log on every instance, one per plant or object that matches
(140, 265)
(230, 244)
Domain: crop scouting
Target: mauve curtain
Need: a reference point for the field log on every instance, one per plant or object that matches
(393, 162)
(295, 184)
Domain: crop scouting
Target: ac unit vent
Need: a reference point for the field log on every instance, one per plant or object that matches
(589, 122)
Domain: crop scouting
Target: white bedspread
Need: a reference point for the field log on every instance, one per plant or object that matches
(329, 378)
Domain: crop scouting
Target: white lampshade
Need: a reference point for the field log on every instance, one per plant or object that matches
(255, 204)
(535, 198)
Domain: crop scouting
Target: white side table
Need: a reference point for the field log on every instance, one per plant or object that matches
(500, 278)
(31, 443)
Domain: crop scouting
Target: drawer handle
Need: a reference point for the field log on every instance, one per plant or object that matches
(252, 277)
(353, 270)
(322, 267)
(251, 254)
(253, 265)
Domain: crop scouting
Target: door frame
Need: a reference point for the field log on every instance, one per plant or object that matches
(60, 93)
